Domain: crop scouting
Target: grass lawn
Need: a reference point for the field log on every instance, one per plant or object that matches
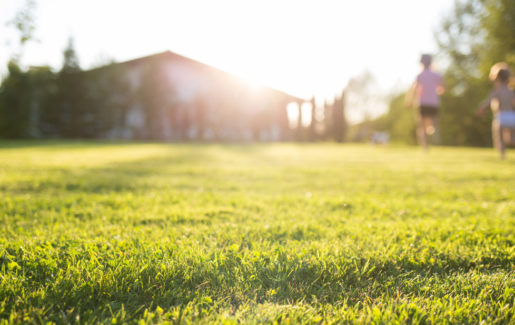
(284, 233)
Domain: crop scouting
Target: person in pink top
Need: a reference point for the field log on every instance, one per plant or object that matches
(426, 91)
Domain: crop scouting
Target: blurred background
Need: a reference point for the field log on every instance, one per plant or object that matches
(245, 70)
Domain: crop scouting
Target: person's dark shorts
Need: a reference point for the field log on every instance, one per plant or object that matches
(428, 111)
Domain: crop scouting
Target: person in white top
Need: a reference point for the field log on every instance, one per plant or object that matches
(425, 94)
(502, 103)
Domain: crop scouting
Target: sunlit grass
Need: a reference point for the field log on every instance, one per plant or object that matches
(100, 232)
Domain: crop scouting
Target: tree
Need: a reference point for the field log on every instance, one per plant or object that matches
(16, 88)
(24, 96)
(68, 115)
(498, 21)
(14, 103)
(399, 121)
(24, 23)
(339, 126)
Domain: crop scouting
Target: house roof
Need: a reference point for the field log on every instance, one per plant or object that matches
(168, 55)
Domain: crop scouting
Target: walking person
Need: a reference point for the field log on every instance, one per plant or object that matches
(502, 103)
(425, 96)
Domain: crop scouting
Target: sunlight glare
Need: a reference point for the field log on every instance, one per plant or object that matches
(293, 114)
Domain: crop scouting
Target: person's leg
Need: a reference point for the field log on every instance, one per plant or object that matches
(497, 138)
(429, 129)
(508, 134)
(421, 131)
(506, 122)
(430, 121)
(436, 133)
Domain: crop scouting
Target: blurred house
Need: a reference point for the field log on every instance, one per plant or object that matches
(167, 96)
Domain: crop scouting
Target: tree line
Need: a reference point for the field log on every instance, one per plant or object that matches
(38, 102)
(70, 103)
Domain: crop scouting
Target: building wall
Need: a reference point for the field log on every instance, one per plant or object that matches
(179, 100)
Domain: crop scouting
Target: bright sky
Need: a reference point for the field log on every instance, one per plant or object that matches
(301, 47)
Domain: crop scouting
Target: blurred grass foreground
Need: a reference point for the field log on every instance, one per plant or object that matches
(284, 233)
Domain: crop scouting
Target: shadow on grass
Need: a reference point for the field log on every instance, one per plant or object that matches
(60, 144)
(113, 177)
